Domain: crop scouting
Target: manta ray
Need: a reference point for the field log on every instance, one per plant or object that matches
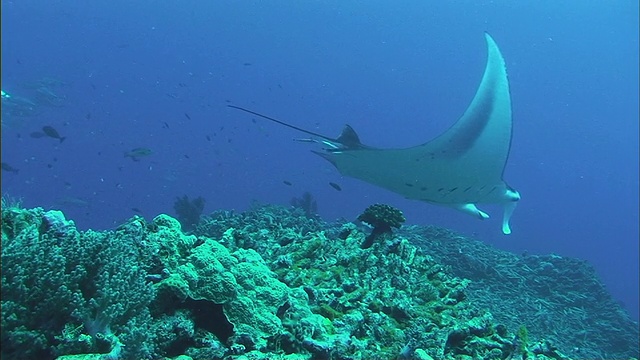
(460, 168)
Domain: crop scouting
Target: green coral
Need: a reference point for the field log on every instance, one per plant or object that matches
(239, 282)
(523, 338)
(90, 281)
(269, 283)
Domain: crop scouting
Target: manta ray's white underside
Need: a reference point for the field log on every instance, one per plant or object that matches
(460, 168)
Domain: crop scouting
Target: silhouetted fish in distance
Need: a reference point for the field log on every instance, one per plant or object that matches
(137, 153)
(52, 133)
(72, 201)
(7, 167)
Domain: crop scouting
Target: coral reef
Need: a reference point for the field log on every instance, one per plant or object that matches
(382, 218)
(557, 298)
(269, 283)
(56, 281)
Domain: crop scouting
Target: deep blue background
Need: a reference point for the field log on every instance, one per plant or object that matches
(399, 72)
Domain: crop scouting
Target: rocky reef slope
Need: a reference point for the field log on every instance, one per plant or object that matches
(272, 283)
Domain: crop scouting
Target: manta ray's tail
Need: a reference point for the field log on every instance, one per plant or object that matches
(348, 139)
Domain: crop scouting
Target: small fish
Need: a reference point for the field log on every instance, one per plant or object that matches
(88, 116)
(154, 278)
(287, 182)
(208, 138)
(166, 125)
(136, 210)
(137, 153)
(187, 116)
(72, 201)
(37, 134)
(52, 133)
(247, 64)
(7, 167)
(335, 186)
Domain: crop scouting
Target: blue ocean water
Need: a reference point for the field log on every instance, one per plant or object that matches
(115, 76)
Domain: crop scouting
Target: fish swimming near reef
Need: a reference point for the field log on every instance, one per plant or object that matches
(137, 153)
(459, 169)
(51, 132)
(9, 168)
(72, 201)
